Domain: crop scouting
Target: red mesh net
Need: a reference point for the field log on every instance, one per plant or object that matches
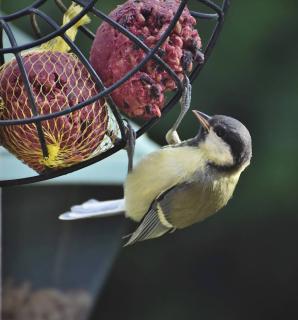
(58, 81)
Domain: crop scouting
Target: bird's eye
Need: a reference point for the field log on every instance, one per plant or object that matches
(220, 131)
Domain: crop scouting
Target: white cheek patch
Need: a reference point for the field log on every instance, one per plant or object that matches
(216, 150)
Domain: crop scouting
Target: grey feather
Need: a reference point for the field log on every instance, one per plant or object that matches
(150, 227)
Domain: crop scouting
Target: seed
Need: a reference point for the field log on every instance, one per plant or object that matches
(146, 12)
(146, 79)
(186, 61)
(178, 27)
(199, 56)
(141, 18)
(148, 108)
(125, 105)
(154, 92)
(160, 52)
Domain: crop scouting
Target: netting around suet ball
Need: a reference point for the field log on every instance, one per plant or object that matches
(58, 81)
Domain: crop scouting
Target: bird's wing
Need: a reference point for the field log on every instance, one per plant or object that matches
(154, 224)
(151, 226)
(189, 202)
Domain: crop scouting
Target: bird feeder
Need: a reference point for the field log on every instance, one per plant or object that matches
(53, 270)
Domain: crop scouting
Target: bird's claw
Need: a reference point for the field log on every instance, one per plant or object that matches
(172, 137)
(130, 144)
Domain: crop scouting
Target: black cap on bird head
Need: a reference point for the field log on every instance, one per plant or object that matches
(231, 131)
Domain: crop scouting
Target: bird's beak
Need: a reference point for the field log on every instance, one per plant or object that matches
(203, 118)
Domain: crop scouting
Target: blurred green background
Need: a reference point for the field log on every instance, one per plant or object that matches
(243, 262)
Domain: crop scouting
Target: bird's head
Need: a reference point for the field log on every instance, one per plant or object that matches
(224, 141)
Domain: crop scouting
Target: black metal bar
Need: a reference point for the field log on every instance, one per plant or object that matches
(98, 80)
(106, 91)
(61, 30)
(151, 52)
(87, 32)
(212, 5)
(28, 89)
(88, 7)
(134, 38)
(204, 16)
(215, 34)
(61, 5)
(84, 29)
(54, 114)
(35, 25)
(58, 173)
(1, 46)
(88, 66)
(149, 124)
(22, 12)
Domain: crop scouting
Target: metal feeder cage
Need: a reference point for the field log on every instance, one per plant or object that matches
(213, 11)
(54, 270)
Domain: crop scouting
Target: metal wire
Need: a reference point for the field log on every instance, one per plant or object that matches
(34, 11)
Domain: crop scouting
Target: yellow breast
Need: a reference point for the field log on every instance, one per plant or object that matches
(156, 173)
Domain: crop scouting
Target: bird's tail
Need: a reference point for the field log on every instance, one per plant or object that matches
(94, 209)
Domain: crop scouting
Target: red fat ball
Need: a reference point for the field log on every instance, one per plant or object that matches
(58, 81)
(113, 54)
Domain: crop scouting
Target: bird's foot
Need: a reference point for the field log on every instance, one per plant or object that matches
(172, 137)
(130, 144)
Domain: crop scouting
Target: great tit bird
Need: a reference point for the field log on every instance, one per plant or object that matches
(180, 184)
